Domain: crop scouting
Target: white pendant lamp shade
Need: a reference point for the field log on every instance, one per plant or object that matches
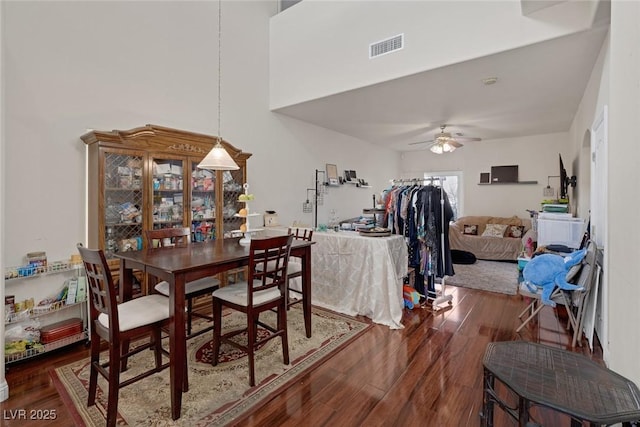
(218, 159)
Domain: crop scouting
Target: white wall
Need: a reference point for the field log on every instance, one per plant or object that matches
(624, 192)
(305, 31)
(594, 99)
(151, 62)
(595, 96)
(615, 83)
(4, 389)
(536, 157)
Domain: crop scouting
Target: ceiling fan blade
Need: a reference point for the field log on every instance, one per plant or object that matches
(445, 137)
(466, 139)
(421, 142)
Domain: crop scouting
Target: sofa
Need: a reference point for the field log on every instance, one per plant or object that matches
(490, 237)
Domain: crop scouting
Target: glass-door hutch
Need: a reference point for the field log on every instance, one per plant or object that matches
(147, 178)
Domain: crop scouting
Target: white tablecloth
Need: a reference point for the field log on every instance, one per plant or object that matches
(352, 274)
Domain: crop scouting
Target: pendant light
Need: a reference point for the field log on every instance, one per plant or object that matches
(218, 158)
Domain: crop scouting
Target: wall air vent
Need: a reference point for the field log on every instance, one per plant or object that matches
(386, 46)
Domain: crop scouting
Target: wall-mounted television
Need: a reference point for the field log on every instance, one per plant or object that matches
(565, 180)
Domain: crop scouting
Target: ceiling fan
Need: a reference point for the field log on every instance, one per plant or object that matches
(444, 142)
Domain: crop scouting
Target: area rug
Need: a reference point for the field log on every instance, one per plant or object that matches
(217, 395)
(492, 276)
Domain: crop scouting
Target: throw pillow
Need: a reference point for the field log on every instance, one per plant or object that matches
(470, 229)
(494, 230)
(515, 231)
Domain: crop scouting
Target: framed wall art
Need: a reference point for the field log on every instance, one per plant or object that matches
(332, 174)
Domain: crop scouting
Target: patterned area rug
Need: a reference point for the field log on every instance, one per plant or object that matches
(492, 276)
(217, 395)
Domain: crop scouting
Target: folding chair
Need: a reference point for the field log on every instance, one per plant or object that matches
(536, 304)
(575, 301)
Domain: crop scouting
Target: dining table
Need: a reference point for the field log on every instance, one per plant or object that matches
(179, 265)
(358, 275)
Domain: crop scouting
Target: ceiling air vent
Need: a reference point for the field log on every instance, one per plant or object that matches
(386, 46)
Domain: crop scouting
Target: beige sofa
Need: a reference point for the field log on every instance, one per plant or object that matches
(507, 246)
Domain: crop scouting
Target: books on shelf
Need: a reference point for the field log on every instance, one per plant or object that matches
(555, 207)
(81, 294)
(72, 291)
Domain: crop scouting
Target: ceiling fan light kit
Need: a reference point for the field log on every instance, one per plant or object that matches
(442, 147)
(444, 142)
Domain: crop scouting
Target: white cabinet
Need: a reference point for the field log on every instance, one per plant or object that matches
(566, 231)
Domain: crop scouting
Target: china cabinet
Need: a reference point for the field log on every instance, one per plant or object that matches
(147, 178)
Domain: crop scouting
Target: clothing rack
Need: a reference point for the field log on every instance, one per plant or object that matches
(442, 297)
(405, 181)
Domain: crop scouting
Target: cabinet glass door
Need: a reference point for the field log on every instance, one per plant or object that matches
(123, 195)
(168, 192)
(203, 204)
(232, 182)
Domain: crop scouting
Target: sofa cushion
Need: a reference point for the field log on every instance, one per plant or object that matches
(494, 230)
(515, 231)
(470, 229)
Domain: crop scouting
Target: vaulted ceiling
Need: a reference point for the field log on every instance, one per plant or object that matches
(537, 91)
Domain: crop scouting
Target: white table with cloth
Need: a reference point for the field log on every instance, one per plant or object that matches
(358, 275)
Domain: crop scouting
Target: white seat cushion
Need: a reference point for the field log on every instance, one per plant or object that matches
(237, 294)
(190, 287)
(139, 312)
(292, 267)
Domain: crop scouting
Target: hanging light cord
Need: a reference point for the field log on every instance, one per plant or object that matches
(219, 67)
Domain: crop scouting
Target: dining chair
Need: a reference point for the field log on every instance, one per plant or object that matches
(264, 290)
(295, 265)
(177, 237)
(118, 325)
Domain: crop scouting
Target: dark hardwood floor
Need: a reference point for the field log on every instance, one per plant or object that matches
(427, 374)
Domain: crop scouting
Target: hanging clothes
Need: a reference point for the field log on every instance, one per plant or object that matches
(421, 213)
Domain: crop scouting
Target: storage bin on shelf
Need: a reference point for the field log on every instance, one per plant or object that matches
(30, 270)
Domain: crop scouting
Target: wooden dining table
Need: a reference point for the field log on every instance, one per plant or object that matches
(183, 264)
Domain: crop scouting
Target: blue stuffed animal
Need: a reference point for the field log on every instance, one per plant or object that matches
(548, 271)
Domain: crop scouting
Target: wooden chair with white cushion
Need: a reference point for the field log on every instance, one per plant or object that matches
(264, 290)
(295, 265)
(176, 237)
(118, 325)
